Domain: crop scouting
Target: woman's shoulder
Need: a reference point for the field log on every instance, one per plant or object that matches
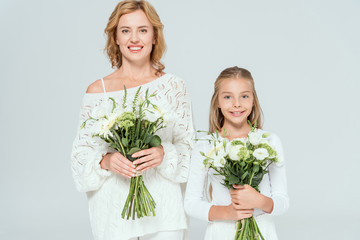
(95, 87)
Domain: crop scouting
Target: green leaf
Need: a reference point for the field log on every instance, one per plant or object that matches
(155, 141)
(148, 139)
(244, 175)
(133, 150)
(233, 179)
(256, 168)
(125, 142)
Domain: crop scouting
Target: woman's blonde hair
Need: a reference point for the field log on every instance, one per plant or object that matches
(216, 118)
(129, 6)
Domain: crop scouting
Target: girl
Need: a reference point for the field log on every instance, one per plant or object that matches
(233, 103)
(135, 44)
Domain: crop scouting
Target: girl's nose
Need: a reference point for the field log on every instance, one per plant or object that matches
(236, 104)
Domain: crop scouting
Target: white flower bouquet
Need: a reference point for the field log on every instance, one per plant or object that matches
(129, 130)
(242, 161)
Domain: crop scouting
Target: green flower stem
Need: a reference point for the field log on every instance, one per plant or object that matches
(238, 229)
(119, 142)
(258, 230)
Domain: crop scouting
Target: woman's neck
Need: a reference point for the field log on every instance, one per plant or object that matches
(136, 72)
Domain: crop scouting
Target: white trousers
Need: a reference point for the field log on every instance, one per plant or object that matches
(168, 235)
(225, 230)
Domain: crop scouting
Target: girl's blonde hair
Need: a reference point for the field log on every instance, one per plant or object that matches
(216, 118)
(129, 6)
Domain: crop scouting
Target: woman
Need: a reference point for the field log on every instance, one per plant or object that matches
(135, 46)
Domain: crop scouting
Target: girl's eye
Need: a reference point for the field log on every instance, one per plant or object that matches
(227, 97)
(245, 96)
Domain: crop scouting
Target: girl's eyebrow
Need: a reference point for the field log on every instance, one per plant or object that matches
(232, 92)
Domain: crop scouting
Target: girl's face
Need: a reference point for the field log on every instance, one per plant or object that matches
(135, 37)
(235, 101)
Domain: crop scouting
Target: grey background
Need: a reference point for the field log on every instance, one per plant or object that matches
(304, 56)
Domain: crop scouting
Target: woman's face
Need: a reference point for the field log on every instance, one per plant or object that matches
(135, 37)
(235, 101)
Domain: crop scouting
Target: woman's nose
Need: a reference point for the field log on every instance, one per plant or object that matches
(134, 37)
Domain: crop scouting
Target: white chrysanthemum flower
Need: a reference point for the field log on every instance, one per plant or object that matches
(255, 138)
(260, 154)
(105, 124)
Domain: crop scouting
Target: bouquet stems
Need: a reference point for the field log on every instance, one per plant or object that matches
(247, 229)
(139, 200)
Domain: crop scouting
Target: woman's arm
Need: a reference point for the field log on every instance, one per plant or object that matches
(87, 152)
(176, 160)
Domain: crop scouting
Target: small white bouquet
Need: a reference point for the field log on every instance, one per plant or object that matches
(242, 161)
(129, 130)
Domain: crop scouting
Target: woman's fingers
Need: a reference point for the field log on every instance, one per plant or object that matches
(121, 165)
(149, 158)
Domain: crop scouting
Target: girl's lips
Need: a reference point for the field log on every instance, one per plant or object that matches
(237, 113)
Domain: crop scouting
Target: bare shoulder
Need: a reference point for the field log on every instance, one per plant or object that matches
(95, 87)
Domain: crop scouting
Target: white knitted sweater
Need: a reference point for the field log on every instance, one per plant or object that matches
(107, 191)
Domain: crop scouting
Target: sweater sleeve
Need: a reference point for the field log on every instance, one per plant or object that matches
(194, 202)
(175, 164)
(87, 152)
(278, 181)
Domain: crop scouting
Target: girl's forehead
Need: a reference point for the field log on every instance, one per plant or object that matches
(235, 85)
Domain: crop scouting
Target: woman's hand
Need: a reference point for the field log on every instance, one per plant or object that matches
(245, 197)
(228, 213)
(119, 164)
(148, 158)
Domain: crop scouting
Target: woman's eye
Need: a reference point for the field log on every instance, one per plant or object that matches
(125, 31)
(143, 30)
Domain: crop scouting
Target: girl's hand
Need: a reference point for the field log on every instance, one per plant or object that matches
(228, 213)
(119, 164)
(245, 197)
(148, 158)
(233, 213)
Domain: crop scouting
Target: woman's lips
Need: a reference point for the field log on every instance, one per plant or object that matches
(135, 49)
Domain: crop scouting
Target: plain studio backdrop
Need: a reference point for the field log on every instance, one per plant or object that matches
(304, 56)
